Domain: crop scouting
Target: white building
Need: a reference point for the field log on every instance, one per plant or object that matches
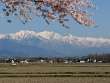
(13, 62)
(95, 61)
(25, 61)
(66, 61)
(82, 61)
(100, 61)
(42, 61)
(51, 61)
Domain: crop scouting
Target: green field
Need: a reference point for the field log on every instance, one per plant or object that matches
(55, 73)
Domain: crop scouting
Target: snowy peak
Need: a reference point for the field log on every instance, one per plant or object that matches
(22, 35)
(2, 36)
(87, 41)
(56, 37)
(26, 34)
(49, 35)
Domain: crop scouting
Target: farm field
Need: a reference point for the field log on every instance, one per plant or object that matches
(55, 73)
(55, 80)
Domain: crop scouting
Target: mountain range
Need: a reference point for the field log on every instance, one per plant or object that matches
(52, 44)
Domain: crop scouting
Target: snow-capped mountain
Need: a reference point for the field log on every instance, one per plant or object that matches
(46, 43)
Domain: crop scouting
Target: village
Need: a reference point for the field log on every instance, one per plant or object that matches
(58, 60)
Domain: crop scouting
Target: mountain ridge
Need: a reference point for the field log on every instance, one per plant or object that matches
(46, 43)
(46, 35)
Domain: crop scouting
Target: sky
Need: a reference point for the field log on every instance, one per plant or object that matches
(101, 15)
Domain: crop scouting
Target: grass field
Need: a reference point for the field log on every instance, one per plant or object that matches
(55, 73)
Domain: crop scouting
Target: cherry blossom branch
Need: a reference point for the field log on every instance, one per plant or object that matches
(57, 10)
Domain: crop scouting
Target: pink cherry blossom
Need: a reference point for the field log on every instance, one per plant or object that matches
(57, 10)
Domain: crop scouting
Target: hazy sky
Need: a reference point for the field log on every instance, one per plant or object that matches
(101, 15)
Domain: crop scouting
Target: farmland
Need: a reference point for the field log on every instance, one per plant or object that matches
(55, 80)
(55, 73)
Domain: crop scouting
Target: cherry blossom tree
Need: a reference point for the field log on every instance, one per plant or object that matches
(50, 10)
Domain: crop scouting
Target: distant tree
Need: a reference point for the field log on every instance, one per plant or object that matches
(57, 10)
